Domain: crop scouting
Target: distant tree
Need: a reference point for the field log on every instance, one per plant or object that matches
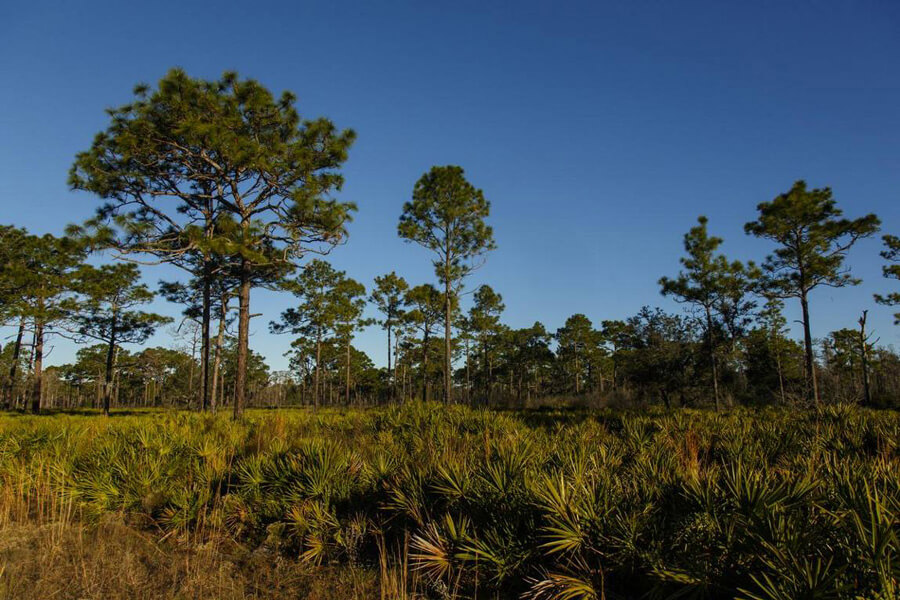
(111, 293)
(318, 314)
(612, 333)
(13, 258)
(865, 347)
(14, 244)
(657, 353)
(46, 284)
(891, 253)
(426, 311)
(446, 216)
(348, 304)
(812, 243)
(529, 355)
(216, 295)
(176, 160)
(388, 298)
(772, 321)
(712, 284)
(576, 340)
(484, 321)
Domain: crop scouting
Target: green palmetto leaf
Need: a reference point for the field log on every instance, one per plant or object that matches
(557, 586)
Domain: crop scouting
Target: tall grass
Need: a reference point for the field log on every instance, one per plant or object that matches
(450, 502)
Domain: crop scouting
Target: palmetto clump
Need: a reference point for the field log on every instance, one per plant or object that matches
(452, 502)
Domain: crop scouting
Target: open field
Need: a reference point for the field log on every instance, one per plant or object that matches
(427, 501)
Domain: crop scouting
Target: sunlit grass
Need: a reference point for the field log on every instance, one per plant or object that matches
(452, 502)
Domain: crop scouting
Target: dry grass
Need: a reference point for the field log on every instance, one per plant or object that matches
(112, 561)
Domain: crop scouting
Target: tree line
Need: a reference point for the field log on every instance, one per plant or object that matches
(228, 183)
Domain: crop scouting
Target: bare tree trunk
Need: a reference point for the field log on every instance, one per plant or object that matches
(107, 377)
(11, 384)
(468, 373)
(425, 367)
(217, 360)
(448, 386)
(812, 385)
(864, 359)
(396, 368)
(318, 369)
(38, 366)
(204, 331)
(389, 372)
(347, 392)
(240, 376)
(712, 357)
(577, 374)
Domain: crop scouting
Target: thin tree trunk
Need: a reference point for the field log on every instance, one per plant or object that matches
(318, 369)
(468, 373)
(812, 385)
(205, 329)
(712, 357)
(864, 356)
(425, 367)
(217, 360)
(240, 376)
(107, 377)
(38, 366)
(11, 384)
(448, 387)
(347, 393)
(396, 368)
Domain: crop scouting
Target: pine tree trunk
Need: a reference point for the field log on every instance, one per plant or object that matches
(11, 384)
(204, 344)
(107, 377)
(812, 385)
(318, 370)
(468, 374)
(864, 359)
(397, 368)
(448, 386)
(38, 366)
(712, 357)
(240, 376)
(425, 368)
(347, 383)
(217, 360)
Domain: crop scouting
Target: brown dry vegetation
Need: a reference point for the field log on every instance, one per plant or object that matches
(112, 561)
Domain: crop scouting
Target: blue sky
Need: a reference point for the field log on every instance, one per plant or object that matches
(598, 131)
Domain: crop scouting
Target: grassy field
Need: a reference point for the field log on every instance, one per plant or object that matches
(434, 502)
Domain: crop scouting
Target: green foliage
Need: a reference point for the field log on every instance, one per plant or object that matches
(767, 504)
(891, 253)
(222, 169)
(447, 216)
(716, 287)
(110, 293)
(813, 241)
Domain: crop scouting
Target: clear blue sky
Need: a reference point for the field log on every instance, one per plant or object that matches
(599, 131)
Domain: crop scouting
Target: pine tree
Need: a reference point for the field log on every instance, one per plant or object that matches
(891, 253)
(388, 298)
(813, 241)
(446, 216)
(46, 285)
(484, 320)
(178, 159)
(111, 293)
(427, 306)
(712, 284)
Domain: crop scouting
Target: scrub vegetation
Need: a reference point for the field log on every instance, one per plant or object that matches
(429, 501)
